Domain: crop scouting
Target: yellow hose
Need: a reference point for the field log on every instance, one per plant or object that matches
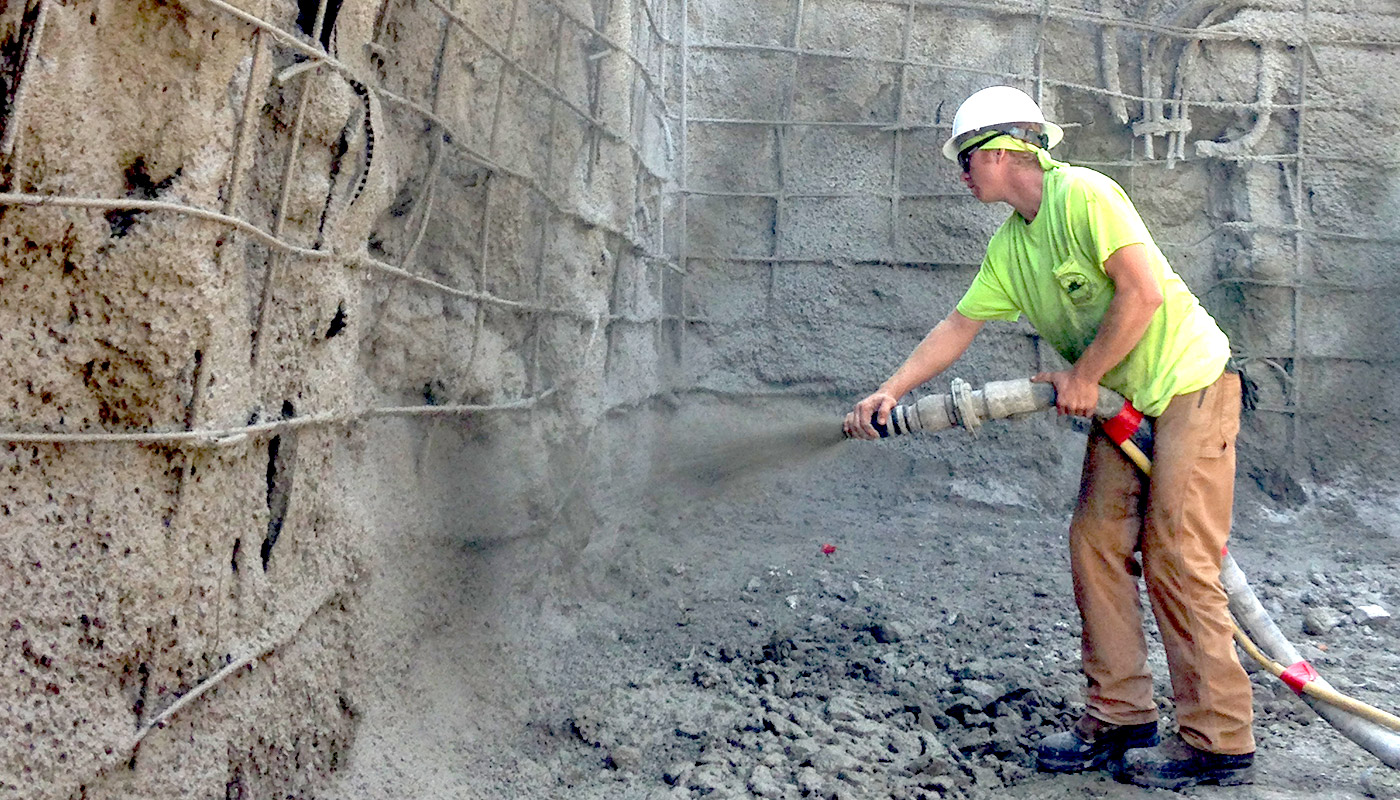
(1324, 693)
(1135, 454)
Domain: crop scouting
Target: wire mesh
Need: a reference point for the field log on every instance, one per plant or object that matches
(662, 49)
(1160, 116)
(283, 253)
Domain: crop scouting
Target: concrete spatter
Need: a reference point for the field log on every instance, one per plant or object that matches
(729, 656)
(723, 455)
(938, 619)
(133, 573)
(522, 603)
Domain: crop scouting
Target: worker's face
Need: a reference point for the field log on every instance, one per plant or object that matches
(980, 174)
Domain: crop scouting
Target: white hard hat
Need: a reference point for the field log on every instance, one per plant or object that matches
(999, 108)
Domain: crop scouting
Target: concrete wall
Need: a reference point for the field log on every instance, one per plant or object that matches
(444, 243)
(819, 210)
(267, 325)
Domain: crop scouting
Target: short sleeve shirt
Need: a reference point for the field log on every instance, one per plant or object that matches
(1052, 270)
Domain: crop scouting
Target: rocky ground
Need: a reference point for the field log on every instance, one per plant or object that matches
(783, 642)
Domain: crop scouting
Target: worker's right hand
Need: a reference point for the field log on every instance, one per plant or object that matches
(877, 406)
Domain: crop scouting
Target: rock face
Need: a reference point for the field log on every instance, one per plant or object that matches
(258, 268)
(301, 356)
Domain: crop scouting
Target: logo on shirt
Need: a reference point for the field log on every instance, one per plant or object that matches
(1078, 286)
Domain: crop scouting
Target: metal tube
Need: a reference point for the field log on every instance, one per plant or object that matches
(969, 408)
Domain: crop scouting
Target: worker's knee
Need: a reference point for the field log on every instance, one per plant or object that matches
(1103, 549)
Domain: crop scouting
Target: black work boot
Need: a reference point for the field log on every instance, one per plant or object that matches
(1174, 764)
(1091, 744)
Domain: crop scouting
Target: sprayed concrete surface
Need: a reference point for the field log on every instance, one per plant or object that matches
(454, 411)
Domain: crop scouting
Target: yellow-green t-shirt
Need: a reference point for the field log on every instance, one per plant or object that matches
(1051, 270)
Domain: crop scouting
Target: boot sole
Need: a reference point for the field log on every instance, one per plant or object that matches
(1064, 767)
(1098, 762)
(1236, 776)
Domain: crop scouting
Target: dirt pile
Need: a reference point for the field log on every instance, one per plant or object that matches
(852, 701)
(919, 662)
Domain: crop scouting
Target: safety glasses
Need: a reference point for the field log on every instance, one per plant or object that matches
(965, 154)
(965, 158)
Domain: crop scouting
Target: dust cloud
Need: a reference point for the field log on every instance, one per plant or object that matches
(708, 460)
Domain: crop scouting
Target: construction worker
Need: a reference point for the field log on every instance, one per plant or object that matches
(1076, 259)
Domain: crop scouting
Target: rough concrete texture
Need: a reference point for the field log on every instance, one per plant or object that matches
(445, 418)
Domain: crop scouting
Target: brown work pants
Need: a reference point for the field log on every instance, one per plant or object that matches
(1179, 519)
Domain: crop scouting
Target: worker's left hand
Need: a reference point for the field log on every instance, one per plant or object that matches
(1074, 395)
(874, 408)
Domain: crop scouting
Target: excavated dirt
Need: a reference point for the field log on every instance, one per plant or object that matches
(728, 654)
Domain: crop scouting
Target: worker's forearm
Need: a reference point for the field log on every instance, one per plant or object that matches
(1122, 328)
(1136, 297)
(940, 348)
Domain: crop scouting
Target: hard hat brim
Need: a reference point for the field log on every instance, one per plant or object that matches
(1053, 136)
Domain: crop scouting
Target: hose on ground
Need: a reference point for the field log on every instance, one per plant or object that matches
(1251, 617)
(1374, 730)
(1314, 689)
(1370, 727)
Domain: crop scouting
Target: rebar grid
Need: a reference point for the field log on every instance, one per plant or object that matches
(282, 248)
(653, 90)
(1045, 81)
(1162, 107)
(1294, 382)
(783, 132)
(901, 92)
(619, 240)
(285, 254)
(1057, 12)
